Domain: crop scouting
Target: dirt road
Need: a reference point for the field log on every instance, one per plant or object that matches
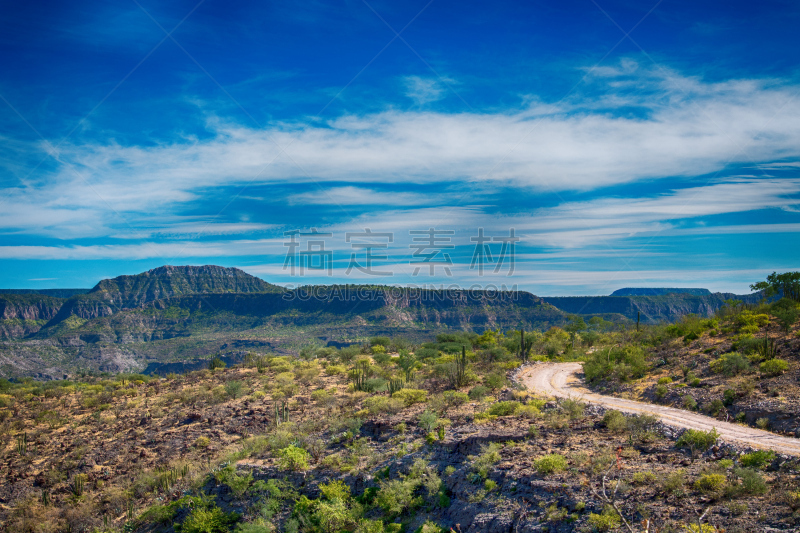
(561, 380)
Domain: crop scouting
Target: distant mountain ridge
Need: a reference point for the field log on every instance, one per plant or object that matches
(176, 315)
(55, 293)
(650, 308)
(657, 291)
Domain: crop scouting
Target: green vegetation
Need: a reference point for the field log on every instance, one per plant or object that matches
(550, 463)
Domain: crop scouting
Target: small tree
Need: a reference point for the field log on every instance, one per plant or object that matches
(787, 284)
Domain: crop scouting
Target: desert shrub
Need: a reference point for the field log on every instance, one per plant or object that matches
(237, 483)
(661, 391)
(482, 463)
(478, 392)
(757, 459)
(615, 421)
(728, 396)
(573, 408)
(528, 411)
(699, 528)
(750, 482)
(689, 403)
(606, 521)
(730, 364)
(547, 464)
(383, 404)
(202, 442)
(644, 478)
(207, 519)
(691, 327)
(427, 420)
(774, 367)
(710, 483)
(495, 380)
(504, 408)
(234, 389)
(666, 380)
(334, 370)
(455, 398)
(674, 482)
(792, 499)
(697, 439)
(620, 363)
(694, 382)
(259, 525)
(293, 458)
(397, 495)
(763, 423)
(715, 406)
(411, 396)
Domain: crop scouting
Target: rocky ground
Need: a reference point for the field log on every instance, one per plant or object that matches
(122, 454)
(683, 369)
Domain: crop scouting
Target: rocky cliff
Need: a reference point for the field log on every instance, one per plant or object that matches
(22, 315)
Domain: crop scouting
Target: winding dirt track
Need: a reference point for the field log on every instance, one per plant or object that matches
(561, 380)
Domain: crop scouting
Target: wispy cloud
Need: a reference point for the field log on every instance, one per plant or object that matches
(425, 90)
(585, 144)
(361, 196)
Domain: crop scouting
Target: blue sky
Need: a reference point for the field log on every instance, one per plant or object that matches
(626, 143)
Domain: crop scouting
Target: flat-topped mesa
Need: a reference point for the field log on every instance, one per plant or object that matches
(166, 281)
(657, 291)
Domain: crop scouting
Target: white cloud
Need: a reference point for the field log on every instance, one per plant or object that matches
(424, 90)
(359, 196)
(686, 128)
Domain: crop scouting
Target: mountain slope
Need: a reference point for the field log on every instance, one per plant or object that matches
(126, 292)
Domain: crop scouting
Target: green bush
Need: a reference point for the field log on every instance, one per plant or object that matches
(751, 482)
(482, 463)
(774, 367)
(729, 396)
(207, 519)
(397, 495)
(620, 363)
(710, 483)
(573, 408)
(293, 458)
(666, 380)
(730, 364)
(615, 421)
(757, 459)
(715, 407)
(455, 398)
(547, 464)
(478, 392)
(698, 439)
(689, 403)
(383, 404)
(504, 408)
(606, 521)
(411, 396)
(238, 484)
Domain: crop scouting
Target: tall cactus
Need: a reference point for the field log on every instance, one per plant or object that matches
(359, 375)
(395, 385)
(525, 347)
(767, 350)
(22, 443)
(458, 371)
